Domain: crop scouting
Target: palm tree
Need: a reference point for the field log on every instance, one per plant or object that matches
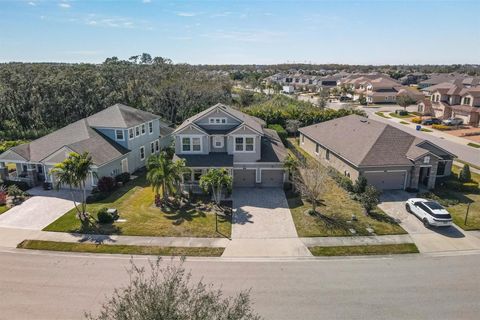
(215, 180)
(164, 174)
(74, 171)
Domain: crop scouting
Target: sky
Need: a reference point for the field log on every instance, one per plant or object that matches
(242, 32)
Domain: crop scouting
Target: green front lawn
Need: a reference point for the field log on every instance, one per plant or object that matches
(336, 210)
(3, 208)
(120, 249)
(382, 114)
(460, 202)
(135, 204)
(364, 250)
(474, 145)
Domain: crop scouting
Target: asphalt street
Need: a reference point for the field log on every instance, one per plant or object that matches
(42, 285)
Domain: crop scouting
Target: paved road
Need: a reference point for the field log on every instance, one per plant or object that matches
(61, 286)
(263, 226)
(427, 239)
(463, 152)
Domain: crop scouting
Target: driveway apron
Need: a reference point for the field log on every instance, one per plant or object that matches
(263, 225)
(427, 239)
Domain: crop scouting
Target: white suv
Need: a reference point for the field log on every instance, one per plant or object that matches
(430, 212)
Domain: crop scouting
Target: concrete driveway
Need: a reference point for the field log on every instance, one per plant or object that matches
(427, 239)
(263, 225)
(37, 212)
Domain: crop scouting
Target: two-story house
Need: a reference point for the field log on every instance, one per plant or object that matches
(455, 99)
(119, 139)
(223, 137)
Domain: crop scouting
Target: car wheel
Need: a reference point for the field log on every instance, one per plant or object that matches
(425, 223)
(407, 207)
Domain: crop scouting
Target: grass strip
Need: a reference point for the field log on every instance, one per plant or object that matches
(475, 145)
(382, 249)
(381, 114)
(426, 130)
(120, 249)
(404, 122)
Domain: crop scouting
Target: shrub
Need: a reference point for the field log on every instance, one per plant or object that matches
(446, 202)
(123, 177)
(401, 112)
(441, 127)
(370, 198)
(104, 217)
(15, 192)
(3, 195)
(457, 185)
(22, 185)
(417, 120)
(282, 133)
(95, 197)
(106, 184)
(465, 175)
(360, 185)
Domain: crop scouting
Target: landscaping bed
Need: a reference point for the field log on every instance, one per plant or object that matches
(335, 212)
(456, 202)
(120, 249)
(365, 250)
(3, 209)
(140, 217)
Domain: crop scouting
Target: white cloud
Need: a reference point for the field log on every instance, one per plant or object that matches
(33, 4)
(221, 14)
(116, 22)
(64, 5)
(187, 14)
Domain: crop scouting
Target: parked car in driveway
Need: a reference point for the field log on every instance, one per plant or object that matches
(430, 121)
(430, 212)
(453, 122)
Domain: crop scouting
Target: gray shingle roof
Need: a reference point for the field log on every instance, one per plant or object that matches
(120, 116)
(365, 142)
(222, 160)
(272, 147)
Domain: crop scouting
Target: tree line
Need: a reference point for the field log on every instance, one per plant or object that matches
(36, 98)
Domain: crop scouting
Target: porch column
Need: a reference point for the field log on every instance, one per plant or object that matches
(32, 173)
(415, 176)
(433, 176)
(3, 171)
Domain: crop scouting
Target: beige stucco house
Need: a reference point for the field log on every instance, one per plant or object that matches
(388, 157)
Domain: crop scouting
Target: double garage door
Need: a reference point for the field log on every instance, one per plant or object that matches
(246, 178)
(388, 180)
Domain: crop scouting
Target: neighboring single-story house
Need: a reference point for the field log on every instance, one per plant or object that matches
(388, 157)
(223, 137)
(119, 139)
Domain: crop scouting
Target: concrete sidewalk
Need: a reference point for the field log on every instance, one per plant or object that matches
(356, 240)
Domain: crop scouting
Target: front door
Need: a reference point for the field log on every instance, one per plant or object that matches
(424, 175)
(125, 165)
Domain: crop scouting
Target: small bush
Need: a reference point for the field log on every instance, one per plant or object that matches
(282, 133)
(465, 175)
(106, 184)
(457, 185)
(417, 120)
(15, 192)
(443, 201)
(441, 127)
(123, 177)
(96, 197)
(22, 185)
(360, 185)
(104, 217)
(343, 181)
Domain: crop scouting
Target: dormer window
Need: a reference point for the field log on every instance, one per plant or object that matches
(466, 100)
(215, 120)
(119, 135)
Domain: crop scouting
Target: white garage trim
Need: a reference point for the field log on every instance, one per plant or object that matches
(387, 171)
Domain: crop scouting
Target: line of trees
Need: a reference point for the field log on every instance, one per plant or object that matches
(39, 97)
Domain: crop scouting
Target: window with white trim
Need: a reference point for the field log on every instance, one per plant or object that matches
(197, 174)
(216, 120)
(142, 153)
(426, 159)
(244, 144)
(119, 135)
(131, 134)
(137, 131)
(143, 129)
(218, 142)
(152, 147)
(157, 145)
(191, 144)
(150, 127)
